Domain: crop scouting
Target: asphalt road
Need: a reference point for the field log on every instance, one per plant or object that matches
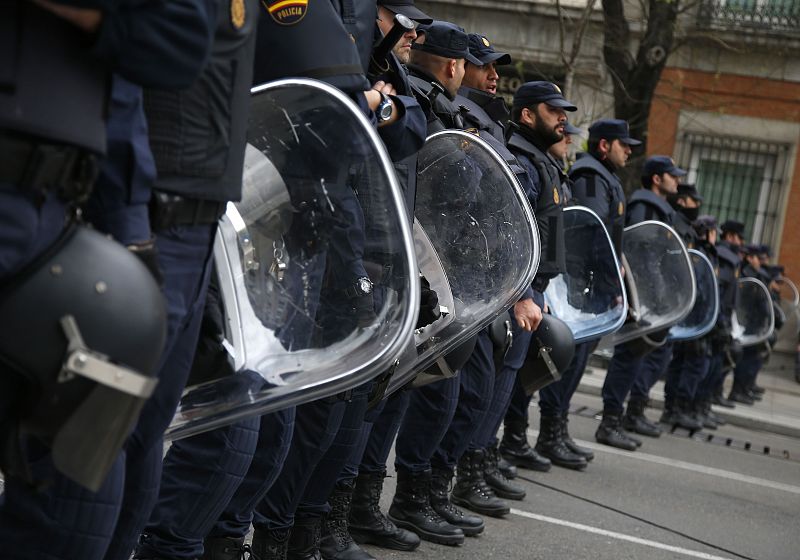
(676, 497)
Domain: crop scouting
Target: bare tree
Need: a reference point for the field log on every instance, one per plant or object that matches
(569, 58)
(635, 77)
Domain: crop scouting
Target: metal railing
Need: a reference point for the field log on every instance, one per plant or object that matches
(770, 15)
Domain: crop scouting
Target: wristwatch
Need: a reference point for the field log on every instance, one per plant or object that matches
(384, 110)
(361, 287)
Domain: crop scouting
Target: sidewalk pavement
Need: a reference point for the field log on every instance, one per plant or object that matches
(778, 412)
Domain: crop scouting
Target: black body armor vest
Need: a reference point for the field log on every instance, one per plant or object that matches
(51, 86)
(197, 135)
(646, 205)
(549, 205)
(615, 217)
(317, 45)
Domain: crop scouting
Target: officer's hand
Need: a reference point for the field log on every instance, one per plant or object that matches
(428, 304)
(87, 19)
(528, 314)
(385, 88)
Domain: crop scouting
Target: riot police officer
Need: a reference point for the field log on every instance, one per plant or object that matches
(659, 179)
(49, 145)
(690, 361)
(594, 185)
(539, 116)
(483, 395)
(722, 344)
(437, 69)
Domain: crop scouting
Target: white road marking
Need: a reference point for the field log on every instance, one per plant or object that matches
(618, 536)
(702, 469)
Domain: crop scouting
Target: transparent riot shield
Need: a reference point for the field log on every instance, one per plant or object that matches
(476, 243)
(659, 279)
(789, 302)
(589, 297)
(754, 318)
(314, 268)
(703, 316)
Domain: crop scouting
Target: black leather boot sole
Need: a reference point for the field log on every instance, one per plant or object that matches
(402, 540)
(452, 539)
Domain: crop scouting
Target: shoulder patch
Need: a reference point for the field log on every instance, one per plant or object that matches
(286, 12)
(556, 198)
(238, 14)
(620, 209)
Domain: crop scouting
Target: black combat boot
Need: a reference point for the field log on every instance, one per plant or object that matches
(551, 444)
(684, 416)
(411, 509)
(225, 548)
(471, 490)
(336, 542)
(515, 449)
(718, 399)
(508, 470)
(584, 452)
(610, 432)
(440, 502)
(304, 539)
(635, 420)
(270, 545)
(498, 481)
(739, 395)
(368, 525)
(702, 412)
(713, 415)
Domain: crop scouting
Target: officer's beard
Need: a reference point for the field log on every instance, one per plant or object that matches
(548, 136)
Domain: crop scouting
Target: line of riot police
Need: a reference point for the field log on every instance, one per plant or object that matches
(367, 250)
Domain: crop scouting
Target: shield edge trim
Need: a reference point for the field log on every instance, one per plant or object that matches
(705, 330)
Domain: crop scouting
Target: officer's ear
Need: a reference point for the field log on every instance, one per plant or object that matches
(527, 116)
(452, 64)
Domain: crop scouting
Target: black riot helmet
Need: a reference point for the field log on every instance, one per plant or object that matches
(549, 354)
(83, 330)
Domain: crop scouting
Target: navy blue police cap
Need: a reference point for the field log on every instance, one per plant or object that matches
(406, 8)
(765, 250)
(751, 249)
(690, 190)
(482, 49)
(733, 226)
(704, 223)
(531, 93)
(571, 129)
(447, 40)
(612, 129)
(658, 165)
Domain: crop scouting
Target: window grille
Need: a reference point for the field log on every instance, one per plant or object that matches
(740, 179)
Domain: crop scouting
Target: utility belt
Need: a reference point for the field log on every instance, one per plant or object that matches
(46, 167)
(169, 210)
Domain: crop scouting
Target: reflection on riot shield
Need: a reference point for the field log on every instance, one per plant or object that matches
(589, 297)
(479, 225)
(753, 319)
(703, 316)
(659, 279)
(314, 267)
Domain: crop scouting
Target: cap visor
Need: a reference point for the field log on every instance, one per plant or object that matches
(631, 141)
(562, 103)
(411, 12)
(501, 59)
(677, 172)
(472, 60)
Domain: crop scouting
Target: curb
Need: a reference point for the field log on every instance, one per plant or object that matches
(742, 416)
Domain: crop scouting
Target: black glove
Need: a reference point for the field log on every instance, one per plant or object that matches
(428, 304)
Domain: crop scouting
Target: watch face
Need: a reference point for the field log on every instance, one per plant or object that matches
(365, 285)
(385, 110)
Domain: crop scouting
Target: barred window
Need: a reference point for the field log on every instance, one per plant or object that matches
(740, 179)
